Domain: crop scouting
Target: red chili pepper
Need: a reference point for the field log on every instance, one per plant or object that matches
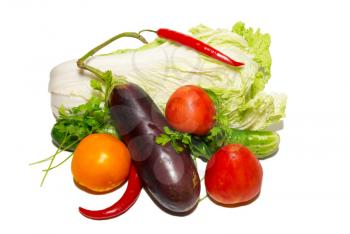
(196, 45)
(125, 202)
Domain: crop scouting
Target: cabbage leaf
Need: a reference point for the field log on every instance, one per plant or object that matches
(160, 67)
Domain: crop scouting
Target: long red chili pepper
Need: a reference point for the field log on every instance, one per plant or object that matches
(196, 45)
(125, 202)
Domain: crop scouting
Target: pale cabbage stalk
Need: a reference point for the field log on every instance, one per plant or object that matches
(161, 67)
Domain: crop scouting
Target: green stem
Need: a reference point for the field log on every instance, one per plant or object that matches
(148, 30)
(47, 159)
(49, 169)
(40, 161)
(59, 150)
(100, 74)
(51, 162)
(194, 159)
(201, 199)
(81, 62)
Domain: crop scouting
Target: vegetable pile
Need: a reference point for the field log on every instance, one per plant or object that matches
(147, 115)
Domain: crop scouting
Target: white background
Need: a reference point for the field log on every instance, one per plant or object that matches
(306, 186)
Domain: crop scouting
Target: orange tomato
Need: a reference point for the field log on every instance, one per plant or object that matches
(100, 163)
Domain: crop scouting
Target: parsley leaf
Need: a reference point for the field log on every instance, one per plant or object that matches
(78, 122)
(174, 138)
(96, 85)
(92, 117)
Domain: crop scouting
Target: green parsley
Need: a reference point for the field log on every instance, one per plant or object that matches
(262, 143)
(74, 124)
(92, 117)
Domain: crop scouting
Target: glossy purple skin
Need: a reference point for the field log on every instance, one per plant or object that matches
(171, 178)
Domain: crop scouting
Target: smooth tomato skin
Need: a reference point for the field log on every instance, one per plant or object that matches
(100, 163)
(233, 175)
(190, 109)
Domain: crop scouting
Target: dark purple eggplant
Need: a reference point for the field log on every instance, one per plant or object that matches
(171, 178)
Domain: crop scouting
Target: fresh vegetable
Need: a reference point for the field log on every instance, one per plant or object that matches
(161, 67)
(73, 124)
(100, 162)
(129, 197)
(78, 122)
(220, 115)
(263, 144)
(196, 45)
(170, 177)
(190, 110)
(233, 175)
(78, 117)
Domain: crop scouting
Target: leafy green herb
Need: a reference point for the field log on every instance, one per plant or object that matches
(174, 138)
(261, 143)
(78, 122)
(96, 84)
(92, 117)
(181, 141)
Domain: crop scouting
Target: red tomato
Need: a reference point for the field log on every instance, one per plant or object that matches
(233, 175)
(190, 110)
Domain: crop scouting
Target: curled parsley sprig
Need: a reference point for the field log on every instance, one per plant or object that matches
(74, 124)
(92, 117)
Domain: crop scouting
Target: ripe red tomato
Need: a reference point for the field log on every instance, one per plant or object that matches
(190, 109)
(233, 175)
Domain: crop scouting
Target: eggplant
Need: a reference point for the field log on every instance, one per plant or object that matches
(171, 178)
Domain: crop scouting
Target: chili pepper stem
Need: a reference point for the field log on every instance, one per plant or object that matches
(147, 30)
